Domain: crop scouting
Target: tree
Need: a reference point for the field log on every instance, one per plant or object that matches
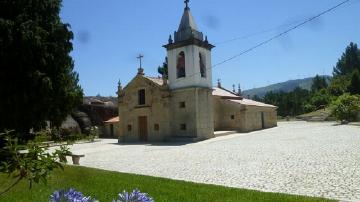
(354, 87)
(349, 61)
(257, 98)
(37, 80)
(339, 85)
(320, 98)
(164, 68)
(319, 82)
(346, 107)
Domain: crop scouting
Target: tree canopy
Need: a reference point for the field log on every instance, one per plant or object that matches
(37, 80)
(163, 70)
(319, 82)
(354, 87)
(349, 61)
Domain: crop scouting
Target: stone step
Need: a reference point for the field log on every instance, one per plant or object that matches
(223, 133)
(183, 139)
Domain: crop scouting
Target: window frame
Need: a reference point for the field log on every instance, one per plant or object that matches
(183, 127)
(182, 105)
(141, 97)
(202, 61)
(180, 74)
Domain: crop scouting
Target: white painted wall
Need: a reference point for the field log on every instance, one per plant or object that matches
(192, 68)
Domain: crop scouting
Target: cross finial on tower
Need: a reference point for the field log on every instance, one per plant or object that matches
(186, 3)
(140, 69)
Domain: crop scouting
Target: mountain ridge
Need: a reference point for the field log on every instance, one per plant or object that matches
(286, 86)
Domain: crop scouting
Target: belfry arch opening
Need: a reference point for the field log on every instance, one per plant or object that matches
(180, 66)
(202, 65)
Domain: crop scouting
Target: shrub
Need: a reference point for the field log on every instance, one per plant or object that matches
(26, 161)
(320, 98)
(346, 107)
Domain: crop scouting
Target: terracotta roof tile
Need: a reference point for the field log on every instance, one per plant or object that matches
(157, 80)
(223, 92)
(252, 103)
(113, 120)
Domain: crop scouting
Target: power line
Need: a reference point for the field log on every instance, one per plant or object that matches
(276, 36)
(283, 33)
(256, 33)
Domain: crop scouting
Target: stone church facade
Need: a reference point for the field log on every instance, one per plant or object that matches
(184, 104)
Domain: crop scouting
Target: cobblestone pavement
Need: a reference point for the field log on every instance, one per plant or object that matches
(315, 159)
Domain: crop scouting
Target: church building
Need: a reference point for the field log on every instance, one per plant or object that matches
(184, 103)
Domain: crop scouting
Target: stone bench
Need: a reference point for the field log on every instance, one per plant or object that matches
(76, 158)
(46, 144)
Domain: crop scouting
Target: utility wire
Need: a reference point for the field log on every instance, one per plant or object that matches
(283, 33)
(256, 33)
(275, 37)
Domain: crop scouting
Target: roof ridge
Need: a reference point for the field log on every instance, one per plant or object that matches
(227, 90)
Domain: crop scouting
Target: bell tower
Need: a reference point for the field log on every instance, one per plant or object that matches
(190, 81)
(189, 55)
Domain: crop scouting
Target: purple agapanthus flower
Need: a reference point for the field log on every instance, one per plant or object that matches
(134, 196)
(70, 195)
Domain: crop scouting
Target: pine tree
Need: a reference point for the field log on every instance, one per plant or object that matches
(349, 61)
(354, 87)
(37, 80)
(319, 83)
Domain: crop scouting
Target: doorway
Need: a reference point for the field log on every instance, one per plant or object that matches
(143, 129)
(262, 120)
(111, 130)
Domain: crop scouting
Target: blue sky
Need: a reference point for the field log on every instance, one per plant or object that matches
(110, 34)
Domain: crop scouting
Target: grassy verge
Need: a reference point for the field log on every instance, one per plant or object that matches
(105, 185)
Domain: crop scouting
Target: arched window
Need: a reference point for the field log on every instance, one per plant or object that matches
(202, 65)
(180, 67)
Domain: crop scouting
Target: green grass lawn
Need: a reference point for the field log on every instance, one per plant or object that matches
(105, 185)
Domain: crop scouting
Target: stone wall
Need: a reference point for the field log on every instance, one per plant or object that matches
(106, 130)
(230, 115)
(156, 109)
(192, 113)
(253, 118)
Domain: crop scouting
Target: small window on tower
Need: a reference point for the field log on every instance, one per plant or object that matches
(180, 66)
(182, 126)
(232, 117)
(182, 105)
(129, 127)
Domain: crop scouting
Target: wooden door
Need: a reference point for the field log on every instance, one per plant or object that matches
(262, 120)
(143, 129)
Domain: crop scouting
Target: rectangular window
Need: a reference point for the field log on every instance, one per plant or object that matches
(182, 105)
(182, 126)
(129, 127)
(156, 127)
(141, 95)
(232, 117)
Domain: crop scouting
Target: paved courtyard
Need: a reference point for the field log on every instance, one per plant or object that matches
(315, 159)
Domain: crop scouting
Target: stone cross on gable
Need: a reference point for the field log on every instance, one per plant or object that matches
(140, 59)
(140, 69)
